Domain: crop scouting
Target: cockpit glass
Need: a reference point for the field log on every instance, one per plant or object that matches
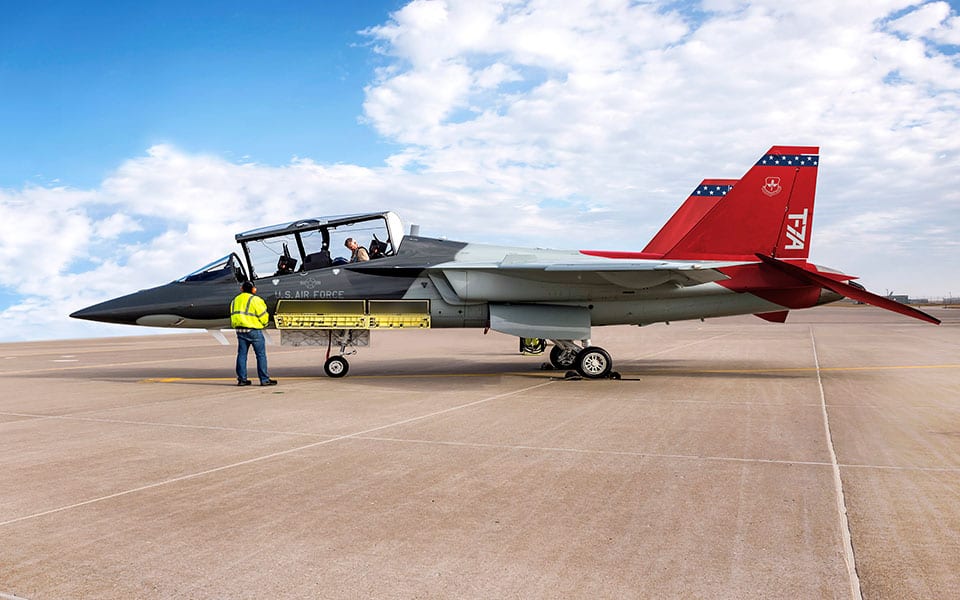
(368, 234)
(265, 254)
(225, 267)
(315, 247)
(312, 241)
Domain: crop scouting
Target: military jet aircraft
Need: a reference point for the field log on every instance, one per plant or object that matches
(734, 247)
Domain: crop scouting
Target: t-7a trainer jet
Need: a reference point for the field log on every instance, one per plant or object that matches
(734, 247)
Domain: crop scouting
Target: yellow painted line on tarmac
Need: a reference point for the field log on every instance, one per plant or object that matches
(891, 367)
(232, 380)
(188, 379)
(545, 374)
(802, 369)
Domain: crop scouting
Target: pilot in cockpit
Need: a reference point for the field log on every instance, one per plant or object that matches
(359, 253)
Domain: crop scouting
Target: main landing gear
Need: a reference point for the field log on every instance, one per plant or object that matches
(590, 362)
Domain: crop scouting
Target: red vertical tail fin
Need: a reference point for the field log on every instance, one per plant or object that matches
(769, 211)
(698, 204)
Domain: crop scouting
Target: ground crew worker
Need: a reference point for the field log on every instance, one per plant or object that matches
(248, 316)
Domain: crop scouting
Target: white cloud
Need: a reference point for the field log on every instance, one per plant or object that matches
(45, 229)
(562, 124)
(923, 21)
(114, 226)
(619, 98)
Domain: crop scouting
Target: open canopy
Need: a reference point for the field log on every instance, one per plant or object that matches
(315, 243)
(316, 223)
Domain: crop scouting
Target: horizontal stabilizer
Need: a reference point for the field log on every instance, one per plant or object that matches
(845, 289)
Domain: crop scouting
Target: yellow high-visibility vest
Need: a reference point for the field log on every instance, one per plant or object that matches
(248, 312)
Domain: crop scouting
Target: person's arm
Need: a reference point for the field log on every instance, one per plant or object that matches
(262, 313)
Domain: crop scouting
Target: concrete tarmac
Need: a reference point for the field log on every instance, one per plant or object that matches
(736, 459)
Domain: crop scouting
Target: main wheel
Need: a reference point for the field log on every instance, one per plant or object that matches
(594, 363)
(563, 359)
(336, 366)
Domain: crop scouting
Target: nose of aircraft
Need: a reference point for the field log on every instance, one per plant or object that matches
(172, 305)
(123, 310)
(129, 309)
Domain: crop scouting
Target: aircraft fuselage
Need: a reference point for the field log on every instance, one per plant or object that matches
(458, 298)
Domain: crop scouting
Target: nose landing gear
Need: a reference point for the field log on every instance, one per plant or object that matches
(336, 366)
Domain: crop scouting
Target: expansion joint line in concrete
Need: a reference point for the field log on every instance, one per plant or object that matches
(357, 434)
(848, 556)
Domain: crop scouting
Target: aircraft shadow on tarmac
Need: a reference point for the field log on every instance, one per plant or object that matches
(634, 370)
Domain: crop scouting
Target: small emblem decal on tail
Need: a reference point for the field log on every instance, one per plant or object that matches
(797, 230)
(771, 186)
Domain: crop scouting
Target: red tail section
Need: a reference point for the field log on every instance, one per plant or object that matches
(769, 211)
(700, 202)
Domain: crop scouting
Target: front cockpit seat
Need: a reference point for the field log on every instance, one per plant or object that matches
(378, 249)
(286, 265)
(317, 260)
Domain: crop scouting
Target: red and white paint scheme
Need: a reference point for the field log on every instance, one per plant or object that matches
(765, 221)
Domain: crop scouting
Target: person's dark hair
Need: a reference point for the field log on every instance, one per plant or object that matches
(247, 287)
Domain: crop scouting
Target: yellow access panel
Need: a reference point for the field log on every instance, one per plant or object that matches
(352, 314)
(399, 314)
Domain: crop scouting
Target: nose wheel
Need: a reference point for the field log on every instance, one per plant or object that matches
(336, 366)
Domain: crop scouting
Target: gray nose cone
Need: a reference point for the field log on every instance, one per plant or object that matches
(125, 310)
(111, 311)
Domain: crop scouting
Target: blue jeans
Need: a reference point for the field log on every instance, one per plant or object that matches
(254, 338)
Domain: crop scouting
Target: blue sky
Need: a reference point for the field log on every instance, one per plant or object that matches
(137, 138)
(85, 85)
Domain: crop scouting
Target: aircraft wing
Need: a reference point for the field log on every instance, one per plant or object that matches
(621, 273)
(515, 281)
(529, 278)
